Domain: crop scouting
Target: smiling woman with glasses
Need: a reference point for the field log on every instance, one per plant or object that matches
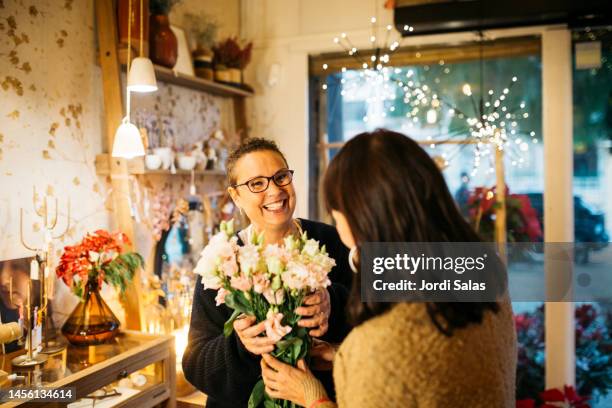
(226, 368)
(260, 184)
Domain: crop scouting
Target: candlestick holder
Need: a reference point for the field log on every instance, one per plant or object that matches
(43, 256)
(29, 359)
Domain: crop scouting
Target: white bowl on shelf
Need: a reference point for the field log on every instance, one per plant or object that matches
(153, 161)
(186, 162)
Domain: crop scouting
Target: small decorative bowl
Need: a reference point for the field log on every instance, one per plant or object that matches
(186, 162)
(153, 161)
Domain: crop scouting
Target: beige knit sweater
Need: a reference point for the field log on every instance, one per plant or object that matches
(399, 359)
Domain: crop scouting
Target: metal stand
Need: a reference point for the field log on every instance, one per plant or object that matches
(49, 346)
(29, 359)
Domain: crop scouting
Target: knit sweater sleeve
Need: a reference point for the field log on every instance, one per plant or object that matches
(217, 365)
(365, 380)
(314, 392)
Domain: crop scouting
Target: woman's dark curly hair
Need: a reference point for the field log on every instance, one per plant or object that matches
(390, 190)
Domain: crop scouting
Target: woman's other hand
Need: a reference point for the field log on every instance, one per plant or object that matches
(283, 381)
(249, 334)
(315, 312)
(322, 354)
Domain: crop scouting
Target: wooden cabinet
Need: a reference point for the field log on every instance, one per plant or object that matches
(146, 364)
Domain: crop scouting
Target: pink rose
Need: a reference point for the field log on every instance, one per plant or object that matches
(242, 283)
(229, 267)
(220, 298)
(260, 282)
(274, 328)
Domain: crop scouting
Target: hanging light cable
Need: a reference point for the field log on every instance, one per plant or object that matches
(141, 76)
(128, 142)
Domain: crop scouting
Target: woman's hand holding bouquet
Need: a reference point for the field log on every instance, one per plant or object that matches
(269, 287)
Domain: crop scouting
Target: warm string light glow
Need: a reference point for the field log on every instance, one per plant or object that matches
(492, 122)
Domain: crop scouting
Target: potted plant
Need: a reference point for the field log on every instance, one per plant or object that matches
(162, 41)
(203, 30)
(227, 56)
(98, 258)
(245, 58)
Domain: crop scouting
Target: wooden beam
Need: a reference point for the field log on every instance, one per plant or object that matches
(430, 54)
(113, 112)
(500, 212)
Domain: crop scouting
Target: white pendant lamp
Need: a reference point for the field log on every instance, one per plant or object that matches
(128, 142)
(141, 77)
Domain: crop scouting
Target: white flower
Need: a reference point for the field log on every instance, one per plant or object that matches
(248, 258)
(211, 282)
(296, 275)
(311, 248)
(290, 243)
(218, 256)
(274, 297)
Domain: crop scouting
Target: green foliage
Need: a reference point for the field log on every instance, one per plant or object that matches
(228, 327)
(257, 396)
(120, 270)
(203, 29)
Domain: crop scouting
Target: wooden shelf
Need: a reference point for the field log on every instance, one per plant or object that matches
(188, 81)
(212, 173)
(136, 166)
(195, 400)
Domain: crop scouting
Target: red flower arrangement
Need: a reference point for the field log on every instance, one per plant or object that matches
(557, 398)
(98, 257)
(593, 339)
(522, 220)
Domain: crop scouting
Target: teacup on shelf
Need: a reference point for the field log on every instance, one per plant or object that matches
(153, 161)
(165, 153)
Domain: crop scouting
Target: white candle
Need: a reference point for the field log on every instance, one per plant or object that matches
(34, 270)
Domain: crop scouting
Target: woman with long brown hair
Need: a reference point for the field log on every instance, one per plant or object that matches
(382, 187)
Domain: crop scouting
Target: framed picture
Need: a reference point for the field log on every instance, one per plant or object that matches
(184, 64)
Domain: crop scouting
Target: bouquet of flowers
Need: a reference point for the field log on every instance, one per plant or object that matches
(99, 257)
(268, 282)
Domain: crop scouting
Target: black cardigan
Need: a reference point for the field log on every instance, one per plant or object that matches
(220, 366)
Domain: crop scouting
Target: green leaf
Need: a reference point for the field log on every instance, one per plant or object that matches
(296, 350)
(270, 404)
(237, 301)
(257, 395)
(282, 345)
(230, 301)
(228, 327)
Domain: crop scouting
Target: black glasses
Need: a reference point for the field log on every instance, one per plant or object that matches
(260, 184)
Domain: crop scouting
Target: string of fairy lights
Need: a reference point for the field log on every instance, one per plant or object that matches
(492, 120)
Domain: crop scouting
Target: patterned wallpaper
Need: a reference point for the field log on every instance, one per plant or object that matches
(51, 121)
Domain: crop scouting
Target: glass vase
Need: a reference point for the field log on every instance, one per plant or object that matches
(92, 321)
